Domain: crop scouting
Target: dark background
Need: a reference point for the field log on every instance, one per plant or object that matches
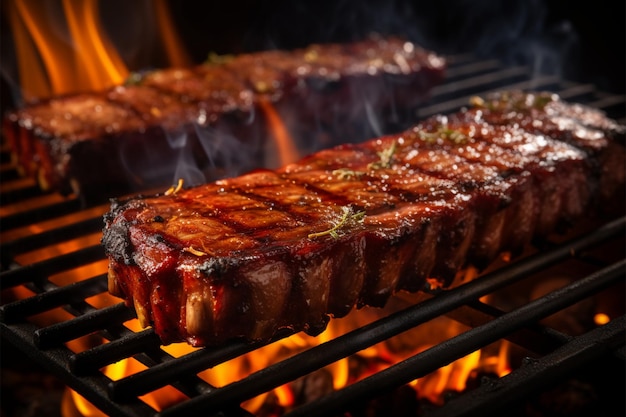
(581, 41)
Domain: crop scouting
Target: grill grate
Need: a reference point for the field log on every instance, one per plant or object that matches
(32, 222)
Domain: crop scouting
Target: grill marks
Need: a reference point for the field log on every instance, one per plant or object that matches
(244, 256)
(112, 142)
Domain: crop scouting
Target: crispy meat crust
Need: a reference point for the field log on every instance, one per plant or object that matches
(126, 138)
(349, 226)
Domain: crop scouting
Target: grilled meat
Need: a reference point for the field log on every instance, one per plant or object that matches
(350, 225)
(131, 137)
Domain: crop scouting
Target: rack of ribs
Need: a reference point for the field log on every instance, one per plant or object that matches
(351, 225)
(130, 137)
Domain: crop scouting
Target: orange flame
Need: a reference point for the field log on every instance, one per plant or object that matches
(94, 53)
(451, 377)
(172, 43)
(287, 151)
(74, 54)
(48, 64)
(34, 49)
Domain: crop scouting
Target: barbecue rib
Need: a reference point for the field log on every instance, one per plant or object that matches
(130, 137)
(349, 226)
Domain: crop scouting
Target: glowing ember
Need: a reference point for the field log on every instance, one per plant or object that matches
(601, 319)
(452, 377)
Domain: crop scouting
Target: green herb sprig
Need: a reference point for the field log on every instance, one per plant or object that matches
(346, 173)
(386, 157)
(443, 132)
(348, 218)
(216, 59)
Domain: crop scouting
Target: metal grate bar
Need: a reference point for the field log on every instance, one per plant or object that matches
(159, 375)
(99, 356)
(473, 68)
(460, 100)
(577, 91)
(41, 270)
(91, 387)
(44, 211)
(536, 375)
(82, 370)
(613, 105)
(538, 339)
(50, 237)
(459, 346)
(143, 346)
(324, 354)
(21, 188)
(68, 294)
(96, 319)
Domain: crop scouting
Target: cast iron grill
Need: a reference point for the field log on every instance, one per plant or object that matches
(32, 221)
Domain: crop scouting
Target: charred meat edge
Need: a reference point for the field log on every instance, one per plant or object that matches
(351, 225)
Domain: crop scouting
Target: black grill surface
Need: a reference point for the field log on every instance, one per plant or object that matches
(36, 227)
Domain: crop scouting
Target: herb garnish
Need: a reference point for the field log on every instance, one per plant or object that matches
(520, 102)
(346, 174)
(386, 157)
(134, 78)
(217, 59)
(477, 101)
(348, 218)
(194, 251)
(174, 189)
(443, 132)
(541, 100)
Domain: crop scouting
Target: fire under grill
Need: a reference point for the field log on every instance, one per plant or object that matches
(33, 222)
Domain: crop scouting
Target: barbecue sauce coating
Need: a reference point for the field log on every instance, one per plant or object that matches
(117, 141)
(348, 226)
